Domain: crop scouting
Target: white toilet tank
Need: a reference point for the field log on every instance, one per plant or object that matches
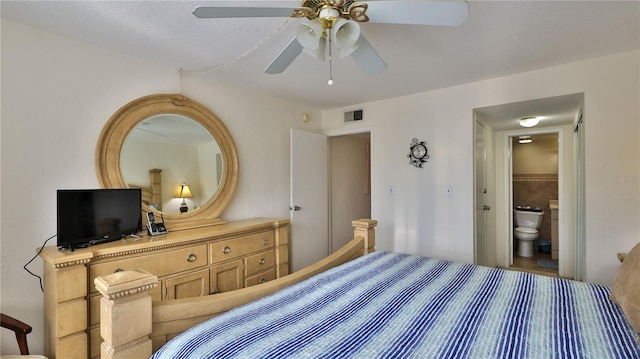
(529, 219)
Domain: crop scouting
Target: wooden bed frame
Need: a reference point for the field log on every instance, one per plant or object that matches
(132, 326)
(152, 195)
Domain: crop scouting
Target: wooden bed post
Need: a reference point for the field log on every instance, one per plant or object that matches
(156, 187)
(124, 293)
(365, 228)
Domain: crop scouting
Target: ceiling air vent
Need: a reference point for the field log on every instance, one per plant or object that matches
(350, 116)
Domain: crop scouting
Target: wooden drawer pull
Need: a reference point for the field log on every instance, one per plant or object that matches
(266, 241)
(191, 258)
(263, 280)
(226, 250)
(261, 261)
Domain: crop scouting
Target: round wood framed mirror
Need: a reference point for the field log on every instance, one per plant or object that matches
(170, 110)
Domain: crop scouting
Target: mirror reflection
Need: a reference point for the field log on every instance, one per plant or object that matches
(166, 152)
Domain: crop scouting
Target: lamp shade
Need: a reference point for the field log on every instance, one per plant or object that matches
(346, 34)
(184, 191)
(311, 36)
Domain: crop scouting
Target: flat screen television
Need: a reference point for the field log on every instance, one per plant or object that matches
(93, 216)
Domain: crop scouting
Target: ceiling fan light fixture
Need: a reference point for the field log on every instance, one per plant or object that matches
(329, 13)
(319, 51)
(529, 121)
(345, 34)
(311, 36)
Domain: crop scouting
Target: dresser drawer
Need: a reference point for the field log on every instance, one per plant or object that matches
(259, 262)
(158, 264)
(237, 247)
(261, 277)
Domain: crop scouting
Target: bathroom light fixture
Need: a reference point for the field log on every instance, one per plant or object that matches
(525, 139)
(529, 121)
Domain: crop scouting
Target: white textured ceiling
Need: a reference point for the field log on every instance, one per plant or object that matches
(498, 38)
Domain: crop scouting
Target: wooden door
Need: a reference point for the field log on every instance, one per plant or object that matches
(309, 206)
(481, 206)
(226, 277)
(189, 285)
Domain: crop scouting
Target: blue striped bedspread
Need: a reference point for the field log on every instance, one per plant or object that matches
(390, 305)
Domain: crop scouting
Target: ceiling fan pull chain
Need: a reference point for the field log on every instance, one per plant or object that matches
(330, 82)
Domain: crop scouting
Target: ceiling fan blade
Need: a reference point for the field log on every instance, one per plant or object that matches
(418, 12)
(285, 58)
(367, 58)
(209, 12)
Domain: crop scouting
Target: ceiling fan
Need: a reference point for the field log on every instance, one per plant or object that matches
(336, 23)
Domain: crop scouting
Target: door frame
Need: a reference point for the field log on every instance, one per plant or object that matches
(355, 131)
(480, 201)
(579, 201)
(564, 254)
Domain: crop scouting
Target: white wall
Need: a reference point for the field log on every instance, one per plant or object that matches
(57, 94)
(420, 219)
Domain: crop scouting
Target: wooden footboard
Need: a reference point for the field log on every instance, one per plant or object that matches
(134, 326)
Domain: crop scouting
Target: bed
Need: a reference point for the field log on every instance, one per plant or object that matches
(152, 195)
(386, 304)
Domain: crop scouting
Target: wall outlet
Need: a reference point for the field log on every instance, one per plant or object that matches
(449, 191)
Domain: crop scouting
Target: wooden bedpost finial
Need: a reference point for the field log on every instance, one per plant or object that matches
(366, 228)
(125, 292)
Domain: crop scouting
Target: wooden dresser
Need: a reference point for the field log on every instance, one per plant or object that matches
(188, 263)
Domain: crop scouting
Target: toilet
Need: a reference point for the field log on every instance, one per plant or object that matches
(527, 223)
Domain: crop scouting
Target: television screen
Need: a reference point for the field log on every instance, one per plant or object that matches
(91, 216)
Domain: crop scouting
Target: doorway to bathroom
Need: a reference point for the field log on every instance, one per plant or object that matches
(534, 195)
(495, 129)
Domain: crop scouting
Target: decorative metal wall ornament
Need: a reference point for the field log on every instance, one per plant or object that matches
(417, 153)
